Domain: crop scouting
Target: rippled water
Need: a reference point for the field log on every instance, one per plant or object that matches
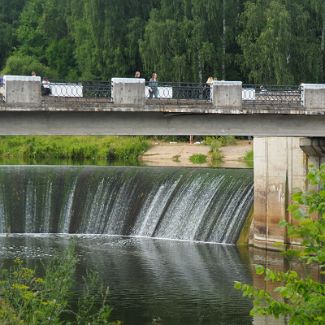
(153, 281)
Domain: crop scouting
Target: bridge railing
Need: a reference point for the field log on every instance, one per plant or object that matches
(284, 96)
(85, 89)
(178, 90)
(103, 89)
(251, 94)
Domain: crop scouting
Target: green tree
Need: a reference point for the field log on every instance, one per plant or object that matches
(302, 299)
(190, 40)
(9, 19)
(106, 35)
(318, 11)
(277, 46)
(20, 64)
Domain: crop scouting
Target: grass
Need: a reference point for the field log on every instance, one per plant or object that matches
(74, 148)
(198, 158)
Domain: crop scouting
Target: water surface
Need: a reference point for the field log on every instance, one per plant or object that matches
(153, 281)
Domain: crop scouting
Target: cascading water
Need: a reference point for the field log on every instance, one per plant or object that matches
(176, 203)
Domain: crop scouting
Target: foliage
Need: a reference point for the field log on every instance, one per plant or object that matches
(301, 299)
(262, 41)
(27, 298)
(75, 148)
(215, 144)
(198, 158)
(9, 21)
(277, 48)
(23, 64)
(249, 158)
(220, 141)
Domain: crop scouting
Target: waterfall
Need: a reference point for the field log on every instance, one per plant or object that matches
(175, 203)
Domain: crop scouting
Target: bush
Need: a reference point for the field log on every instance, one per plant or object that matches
(29, 299)
(301, 299)
(21, 64)
(198, 158)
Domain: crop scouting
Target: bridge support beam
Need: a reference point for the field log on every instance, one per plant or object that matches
(279, 170)
(314, 148)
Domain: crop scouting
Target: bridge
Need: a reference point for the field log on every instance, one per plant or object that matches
(122, 107)
(288, 125)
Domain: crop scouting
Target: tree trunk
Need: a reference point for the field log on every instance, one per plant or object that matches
(322, 48)
(223, 68)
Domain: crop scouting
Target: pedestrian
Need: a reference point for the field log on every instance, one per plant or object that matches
(46, 90)
(153, 85)
(137, 74)
(33, 74)
(207, 88)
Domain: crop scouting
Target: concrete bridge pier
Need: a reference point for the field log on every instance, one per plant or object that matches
(280, 168)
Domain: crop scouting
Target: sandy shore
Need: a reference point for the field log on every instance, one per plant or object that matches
(178, 154)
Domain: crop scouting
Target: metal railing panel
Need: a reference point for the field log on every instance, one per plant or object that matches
(286, 96)
(86, 89)
(178, 91)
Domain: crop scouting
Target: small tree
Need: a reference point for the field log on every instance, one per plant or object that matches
(27, 299)
(300, 299)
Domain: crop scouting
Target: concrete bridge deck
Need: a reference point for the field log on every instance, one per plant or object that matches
(56, 104)
(127, 111)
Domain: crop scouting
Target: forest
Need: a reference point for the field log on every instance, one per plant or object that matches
(255, 41)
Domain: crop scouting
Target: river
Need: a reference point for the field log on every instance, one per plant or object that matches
(162, 239)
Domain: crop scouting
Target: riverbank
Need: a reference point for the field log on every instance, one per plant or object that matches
(178, 154)
(71, 149)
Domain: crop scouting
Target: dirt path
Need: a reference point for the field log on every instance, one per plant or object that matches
(178, 154)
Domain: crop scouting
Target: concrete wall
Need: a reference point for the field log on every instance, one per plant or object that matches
(22, 89)
(128, 91)
(313, 96)
(280, 168)
(227, 94)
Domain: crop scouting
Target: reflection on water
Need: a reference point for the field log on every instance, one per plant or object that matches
(174, 282)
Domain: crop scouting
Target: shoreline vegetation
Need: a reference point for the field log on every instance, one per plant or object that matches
(102, 150)
(119, 150)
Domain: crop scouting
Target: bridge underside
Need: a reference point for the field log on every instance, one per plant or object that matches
(158, 123)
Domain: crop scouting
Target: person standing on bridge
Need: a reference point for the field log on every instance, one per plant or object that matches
(207, 88)
(46, 90)
(153, 86)
(137, 74)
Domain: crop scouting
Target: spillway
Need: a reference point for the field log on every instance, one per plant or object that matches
(194, 204)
